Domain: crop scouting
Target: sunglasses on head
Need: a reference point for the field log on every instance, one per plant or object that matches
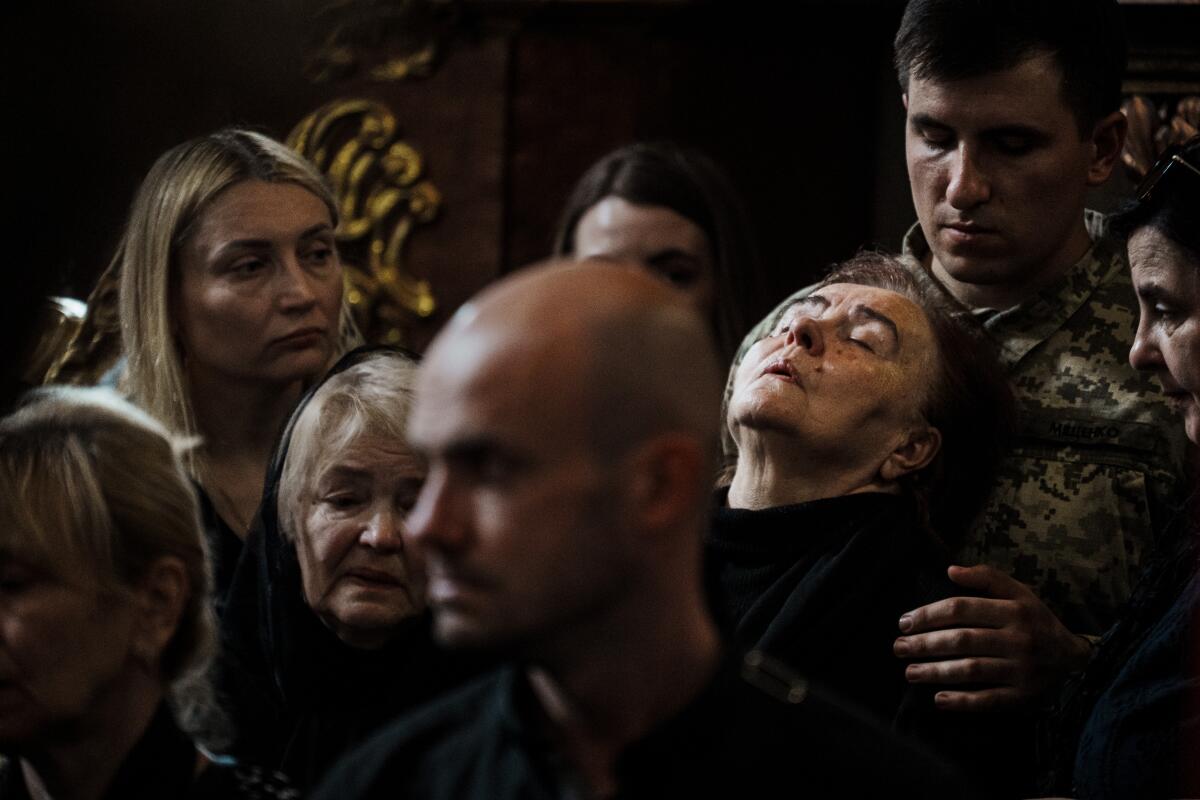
(1171, 162)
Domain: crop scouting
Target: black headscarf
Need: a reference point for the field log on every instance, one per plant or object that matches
(297, 695)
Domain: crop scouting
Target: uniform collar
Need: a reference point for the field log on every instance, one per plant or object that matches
(1018, 330)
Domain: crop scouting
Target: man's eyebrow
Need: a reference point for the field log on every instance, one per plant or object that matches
(671, 254)
(1017, 129)
(923, 120)
(1151, 291)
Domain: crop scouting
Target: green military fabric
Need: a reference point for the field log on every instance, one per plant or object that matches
(1096, 470)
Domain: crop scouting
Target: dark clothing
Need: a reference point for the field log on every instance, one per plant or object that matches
(306, 697)
(1135, 712)
(490, 740)
(224, 549)
(163, 765)
(298, 696)
(821, 586)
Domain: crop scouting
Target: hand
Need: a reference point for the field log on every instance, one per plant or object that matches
(1008, 640)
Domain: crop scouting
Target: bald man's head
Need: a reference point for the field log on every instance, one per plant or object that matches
(568, 415)
(626, 355)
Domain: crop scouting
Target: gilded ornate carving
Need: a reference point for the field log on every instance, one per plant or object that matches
(381, 197)
(389, 40)
(85, 341)
(1155, 125)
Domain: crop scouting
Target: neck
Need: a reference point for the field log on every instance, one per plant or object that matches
(239, 424)
(1006, 295)
(609, 686)
(238, 418)
(773, 471)
(80, 763)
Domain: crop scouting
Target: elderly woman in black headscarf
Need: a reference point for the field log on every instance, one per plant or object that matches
(328, 631)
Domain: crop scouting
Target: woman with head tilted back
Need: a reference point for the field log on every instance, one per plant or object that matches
(230, 302)
(1131, 726)
(327, 633)
(868, 425)
(673, 211)
(105, 619)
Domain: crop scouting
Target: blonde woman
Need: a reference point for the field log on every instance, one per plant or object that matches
(105, 622)
(230, 303)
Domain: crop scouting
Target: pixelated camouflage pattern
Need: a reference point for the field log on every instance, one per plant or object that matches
(1096, 471)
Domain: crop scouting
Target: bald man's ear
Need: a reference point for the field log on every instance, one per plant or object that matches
(666, 481)
(914, 453)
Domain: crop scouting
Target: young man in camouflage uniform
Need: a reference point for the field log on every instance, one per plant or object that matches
(1012, 115)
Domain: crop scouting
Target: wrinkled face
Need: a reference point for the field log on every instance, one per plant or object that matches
(668, 244)
(259, 286)
(515, 520)
(1167, 280)
(63, 648)
(844, 374)
(998, 172)
(357, 576)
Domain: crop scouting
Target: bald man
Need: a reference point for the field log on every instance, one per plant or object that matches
(568, 415)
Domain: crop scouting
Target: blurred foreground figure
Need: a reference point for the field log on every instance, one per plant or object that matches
(106, 626)
(569, 418)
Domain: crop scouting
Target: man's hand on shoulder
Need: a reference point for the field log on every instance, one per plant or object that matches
(1004, 648)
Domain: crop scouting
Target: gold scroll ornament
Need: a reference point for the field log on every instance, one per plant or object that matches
(1155, 125)
(380, 195)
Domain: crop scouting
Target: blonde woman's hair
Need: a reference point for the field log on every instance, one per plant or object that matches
(176, 191)
(372, 397)
(92, 490)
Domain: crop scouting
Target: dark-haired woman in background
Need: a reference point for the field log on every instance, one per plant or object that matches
(671, 210)
(1135, 712)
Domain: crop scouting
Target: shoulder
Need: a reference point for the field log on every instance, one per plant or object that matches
(450, 730)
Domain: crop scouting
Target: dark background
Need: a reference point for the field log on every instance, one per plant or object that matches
(797, 100)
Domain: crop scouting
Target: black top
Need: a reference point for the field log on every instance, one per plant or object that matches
(297, 695)
(821, 586)
(1131, 722)
(735, 739)
(224, 548)
(163, 765)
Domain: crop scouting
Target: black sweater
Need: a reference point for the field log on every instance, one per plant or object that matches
(821, 586)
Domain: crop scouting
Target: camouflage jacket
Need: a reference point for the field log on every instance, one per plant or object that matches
(1096, 471)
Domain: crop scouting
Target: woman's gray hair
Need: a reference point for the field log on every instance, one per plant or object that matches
(372, 397)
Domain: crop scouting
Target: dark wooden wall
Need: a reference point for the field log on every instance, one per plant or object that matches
(797, 100)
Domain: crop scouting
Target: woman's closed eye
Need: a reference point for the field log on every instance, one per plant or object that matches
(342, 501)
